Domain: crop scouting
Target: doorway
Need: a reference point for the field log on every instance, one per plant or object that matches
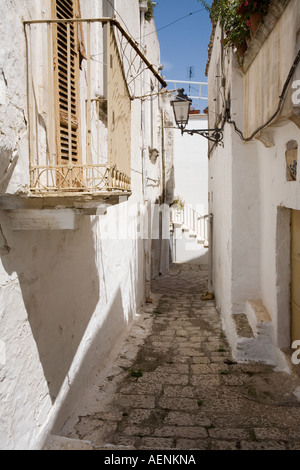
(295, 275)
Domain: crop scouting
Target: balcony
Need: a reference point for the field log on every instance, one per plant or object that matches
(79, 112)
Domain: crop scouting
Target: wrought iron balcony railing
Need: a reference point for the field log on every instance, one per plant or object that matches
(79, 107)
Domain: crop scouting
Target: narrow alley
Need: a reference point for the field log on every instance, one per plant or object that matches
(174, 384)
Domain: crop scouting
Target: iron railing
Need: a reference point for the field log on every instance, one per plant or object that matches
(192, 220)
(100, 166)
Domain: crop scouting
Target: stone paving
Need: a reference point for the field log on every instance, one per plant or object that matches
(174, 384)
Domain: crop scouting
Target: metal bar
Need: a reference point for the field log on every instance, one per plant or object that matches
(50, 88)
(98, 130)
(200, 84)
(89, 117)
(68, 20)
(29, 101)
(114, 23)
(69, 100)
(186, 81)
(210, 252)
(109, 105)
(143, 57)
(69, 92)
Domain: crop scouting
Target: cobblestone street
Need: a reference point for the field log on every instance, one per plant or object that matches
(175, 385)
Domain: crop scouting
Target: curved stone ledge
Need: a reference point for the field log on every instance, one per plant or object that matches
(276, 9)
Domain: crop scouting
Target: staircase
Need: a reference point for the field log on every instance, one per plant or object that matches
(190, 236)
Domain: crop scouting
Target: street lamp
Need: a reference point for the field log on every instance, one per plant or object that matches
(181, 108)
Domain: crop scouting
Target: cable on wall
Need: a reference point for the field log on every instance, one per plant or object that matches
(281, 100)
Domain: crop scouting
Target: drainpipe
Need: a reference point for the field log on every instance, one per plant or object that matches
(163, 198)
(210, 252)
(147, 203)
(147, 251)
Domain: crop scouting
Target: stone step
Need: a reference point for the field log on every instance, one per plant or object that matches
(184, 232)
(55, 442)
(253, 334)
(258, 317)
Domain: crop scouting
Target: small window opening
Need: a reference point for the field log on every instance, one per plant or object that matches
(291, 157)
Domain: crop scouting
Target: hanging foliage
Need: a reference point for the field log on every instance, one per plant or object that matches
(150, 12)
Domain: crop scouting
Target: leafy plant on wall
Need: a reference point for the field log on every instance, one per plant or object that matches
(178, 203)
(238, 18)
(150, 12)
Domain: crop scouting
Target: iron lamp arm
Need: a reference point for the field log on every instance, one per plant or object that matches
(214, 135)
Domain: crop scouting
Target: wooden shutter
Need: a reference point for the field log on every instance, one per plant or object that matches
(66, 103)
(295, 275)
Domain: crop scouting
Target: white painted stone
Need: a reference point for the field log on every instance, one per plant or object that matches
(250, 194)
(64, 443)
(66, 296)
(46, 219)
(191, 185)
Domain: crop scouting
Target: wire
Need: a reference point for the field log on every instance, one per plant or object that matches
(281, 99)
(116, 11)
(153, 94)
(173, 22)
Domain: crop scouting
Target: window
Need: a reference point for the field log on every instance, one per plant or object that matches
(291, 157)
(66, 82)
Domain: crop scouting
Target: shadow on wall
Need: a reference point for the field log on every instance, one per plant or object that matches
(96, 358)
(160, 245)
(201, 259)
(105, 335)
(60, 288)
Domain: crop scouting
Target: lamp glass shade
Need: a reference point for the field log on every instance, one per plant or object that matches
(181, 110)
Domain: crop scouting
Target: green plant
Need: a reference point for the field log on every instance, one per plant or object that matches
(237, 34)
(135, 373)
(199, 403)
(157, 311)
(249, 7)
(210, 426)
(150, 12)
(224, 11)
(234, 17)
(178, 203)
(253, 437)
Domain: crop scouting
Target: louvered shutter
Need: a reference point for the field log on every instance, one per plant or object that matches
(65, 9)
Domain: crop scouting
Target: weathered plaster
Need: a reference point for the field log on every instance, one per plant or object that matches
(252, 195)
(66, 294)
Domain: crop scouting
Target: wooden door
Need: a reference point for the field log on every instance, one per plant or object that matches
(66, 82)
(295, 275)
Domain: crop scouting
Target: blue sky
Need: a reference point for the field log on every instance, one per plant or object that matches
(183, 44)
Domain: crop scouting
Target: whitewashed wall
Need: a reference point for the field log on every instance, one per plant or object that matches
(251, 198)
(191, 165)
(191, 185)
(66, 296)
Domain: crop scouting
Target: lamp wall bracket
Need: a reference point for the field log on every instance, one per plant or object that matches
(214, 135)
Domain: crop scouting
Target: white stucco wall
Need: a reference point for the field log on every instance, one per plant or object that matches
(251, 196)
(191, 185)
(191, 165)
(220, 206)
(66, 296)
(278, 195)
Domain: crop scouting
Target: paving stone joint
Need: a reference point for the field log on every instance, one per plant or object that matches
(175, 385)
